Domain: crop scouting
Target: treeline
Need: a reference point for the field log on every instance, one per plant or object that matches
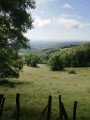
(57, 59)
(74, 57)
(78, 56)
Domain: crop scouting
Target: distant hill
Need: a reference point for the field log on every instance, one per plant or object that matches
(37, 46)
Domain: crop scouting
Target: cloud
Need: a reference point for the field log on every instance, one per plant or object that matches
(42, 22)
(67, 6)
(69, 23)
(61, 21)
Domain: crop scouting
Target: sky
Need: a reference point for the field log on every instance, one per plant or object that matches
(60, 20)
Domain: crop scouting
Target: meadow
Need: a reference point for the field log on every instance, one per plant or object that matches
(36, 84)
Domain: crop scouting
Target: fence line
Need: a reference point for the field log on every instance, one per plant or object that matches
(46, 111)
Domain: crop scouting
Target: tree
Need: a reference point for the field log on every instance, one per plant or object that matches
(55, 63)
(10, 63)
(81, 58)
(32, 60)
(15, 20)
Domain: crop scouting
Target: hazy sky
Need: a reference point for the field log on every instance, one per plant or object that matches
(60, 19)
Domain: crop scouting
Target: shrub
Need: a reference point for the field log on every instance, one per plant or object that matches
(31, 60)
(72, 72)
(55, 63)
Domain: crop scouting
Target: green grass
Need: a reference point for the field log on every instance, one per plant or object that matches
(35, 84)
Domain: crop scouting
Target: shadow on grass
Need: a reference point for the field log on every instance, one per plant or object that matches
(8, 83)
(29, 114)
(35, 66)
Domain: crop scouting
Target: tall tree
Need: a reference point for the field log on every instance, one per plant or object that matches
(15, 20)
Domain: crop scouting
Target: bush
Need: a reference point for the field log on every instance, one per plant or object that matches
(31, 60)
(55, 63)
(72, 72)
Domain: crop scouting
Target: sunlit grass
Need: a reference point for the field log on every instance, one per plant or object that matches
(35, 84)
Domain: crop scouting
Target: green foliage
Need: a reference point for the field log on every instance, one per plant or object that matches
(10, 63)
(78, 56)
(43, 57)
(15, 20)
(55, 63)
(31, 60)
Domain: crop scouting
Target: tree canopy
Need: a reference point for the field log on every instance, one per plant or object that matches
(15, 20)
(78, 56)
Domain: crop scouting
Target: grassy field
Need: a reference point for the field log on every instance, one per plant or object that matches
(35, 84)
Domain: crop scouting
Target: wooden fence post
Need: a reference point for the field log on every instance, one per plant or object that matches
(60, 108)
(2, 101)
(49, 107)
(74, 110)
(1, 96)
(17, 106)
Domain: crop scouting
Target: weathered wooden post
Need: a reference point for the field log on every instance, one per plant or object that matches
(49, 107)
(2, 101)
(74, 110)
(1, 96)
(60, 108)
(17, 106)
